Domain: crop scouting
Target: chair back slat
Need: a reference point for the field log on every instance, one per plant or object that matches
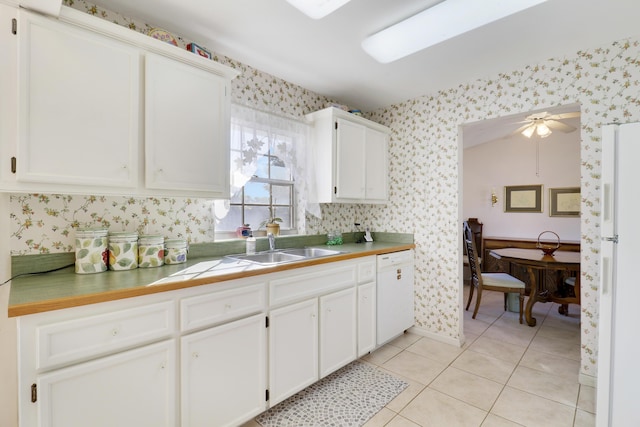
(472, 254)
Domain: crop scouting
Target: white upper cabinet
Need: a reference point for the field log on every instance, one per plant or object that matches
(102, 109)
(186, 128)
(376, 170)
(352, 158)
(78, 106)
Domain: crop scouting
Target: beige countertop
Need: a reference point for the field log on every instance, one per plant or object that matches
(63, 289)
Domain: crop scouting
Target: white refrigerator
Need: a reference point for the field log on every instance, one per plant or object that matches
(619, 319)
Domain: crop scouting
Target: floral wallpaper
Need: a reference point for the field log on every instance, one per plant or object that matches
(605, 82)
(44, 223)
(424, 171)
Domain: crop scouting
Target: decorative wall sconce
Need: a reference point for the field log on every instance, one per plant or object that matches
(494, 198)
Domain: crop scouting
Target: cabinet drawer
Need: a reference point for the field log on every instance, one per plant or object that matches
(311, 284)
(89, 336)
(367, 271)
(205, 310)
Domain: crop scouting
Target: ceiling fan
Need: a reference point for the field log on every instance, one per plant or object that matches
(543, 124)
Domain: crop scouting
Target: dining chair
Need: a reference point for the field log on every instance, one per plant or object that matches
(500, 282)
(476, 229)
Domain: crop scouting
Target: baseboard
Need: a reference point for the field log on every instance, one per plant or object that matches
(589, 380)
(447, 340)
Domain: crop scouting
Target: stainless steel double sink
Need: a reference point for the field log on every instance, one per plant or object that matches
(281, 256)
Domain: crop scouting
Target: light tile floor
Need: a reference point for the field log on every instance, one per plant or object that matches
(505, 374)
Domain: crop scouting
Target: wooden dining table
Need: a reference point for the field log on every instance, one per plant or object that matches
(535, 259)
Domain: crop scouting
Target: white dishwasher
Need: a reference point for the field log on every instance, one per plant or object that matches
(395, 295)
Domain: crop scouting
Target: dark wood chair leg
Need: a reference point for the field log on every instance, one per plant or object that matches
(506, 294)
(470, 295)
(478, 299)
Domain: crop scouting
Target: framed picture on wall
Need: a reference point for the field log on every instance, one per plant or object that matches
(523, 198)
(564, 201)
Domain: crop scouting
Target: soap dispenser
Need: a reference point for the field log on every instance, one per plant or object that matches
(251, 244)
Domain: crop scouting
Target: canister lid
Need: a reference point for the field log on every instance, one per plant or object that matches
(123, 236)
(175, 243)
(91, 232)
(151, 239)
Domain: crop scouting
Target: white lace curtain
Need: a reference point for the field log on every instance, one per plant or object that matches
(297, 155)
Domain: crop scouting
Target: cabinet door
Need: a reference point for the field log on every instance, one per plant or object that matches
(293, 349)
(350, 158)
(337, 330)
(376, 166)
(366, 318)
(224, 373)
(186, 128)
(78, 106)
(133, 388)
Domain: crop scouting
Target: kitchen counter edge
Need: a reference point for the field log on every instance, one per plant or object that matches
(49, 301)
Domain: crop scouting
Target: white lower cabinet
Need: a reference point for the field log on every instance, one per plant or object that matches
(337, 330)
(132, 388)
(293, 349)
(223, 373)
(366, 318)
(211, 355)
(313, 325)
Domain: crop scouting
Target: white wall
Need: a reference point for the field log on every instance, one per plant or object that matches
(512, 161)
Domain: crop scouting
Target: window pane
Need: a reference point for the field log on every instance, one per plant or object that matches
(254, 215)
(263, 167)
(256, 193)
(279, 170)
(285, 214)
(281, 194)
(237, 197)
(232, 221)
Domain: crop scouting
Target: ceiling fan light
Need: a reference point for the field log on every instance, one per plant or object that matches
(317, 9)
(529, 131)
(543, 130)
(441, 22)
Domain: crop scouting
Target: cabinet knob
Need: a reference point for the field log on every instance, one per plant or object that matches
(195, 355)
(114, 332)
(227, 306)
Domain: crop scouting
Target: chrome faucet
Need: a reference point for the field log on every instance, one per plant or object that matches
(272, 241)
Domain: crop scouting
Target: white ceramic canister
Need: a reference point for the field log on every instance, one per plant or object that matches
(175, 251)
(91, 250)
(150, 251)
(123, 250)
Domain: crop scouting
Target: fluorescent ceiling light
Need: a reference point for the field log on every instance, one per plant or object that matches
(317, 9)
(439, 23)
